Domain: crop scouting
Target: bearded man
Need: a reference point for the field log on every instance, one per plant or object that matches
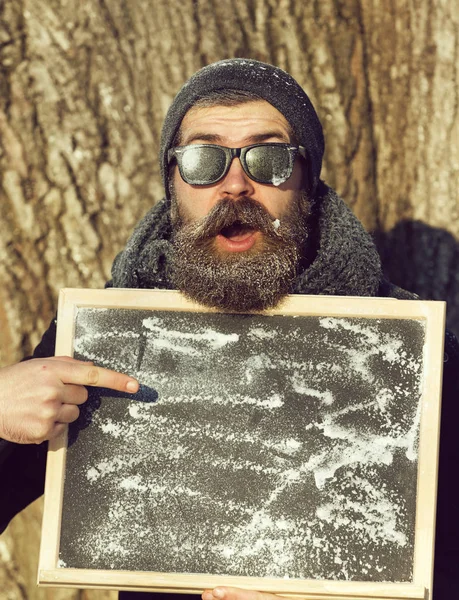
(245, 221)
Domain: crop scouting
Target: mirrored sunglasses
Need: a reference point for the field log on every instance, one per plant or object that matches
(205, 164)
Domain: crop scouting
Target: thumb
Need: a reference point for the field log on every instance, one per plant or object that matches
(231, 593)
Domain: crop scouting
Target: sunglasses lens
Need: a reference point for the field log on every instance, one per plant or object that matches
(269, 164)
(201, 166)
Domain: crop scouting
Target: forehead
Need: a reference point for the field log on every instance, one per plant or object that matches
(235, 123)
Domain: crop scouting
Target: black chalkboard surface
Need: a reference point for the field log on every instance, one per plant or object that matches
(282, 446)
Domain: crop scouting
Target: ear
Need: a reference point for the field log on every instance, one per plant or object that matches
(175, 219)
(174, 211)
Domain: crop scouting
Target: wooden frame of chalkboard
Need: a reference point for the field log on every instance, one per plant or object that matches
(333, 313)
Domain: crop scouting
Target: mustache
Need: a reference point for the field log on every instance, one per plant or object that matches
(244, 211)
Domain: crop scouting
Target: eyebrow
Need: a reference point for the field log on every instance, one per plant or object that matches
(214, 138)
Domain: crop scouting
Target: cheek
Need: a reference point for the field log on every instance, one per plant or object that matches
(279, 203)
(190, 203)
(193, 203)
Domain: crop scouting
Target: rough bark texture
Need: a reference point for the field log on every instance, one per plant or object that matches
(84, 87)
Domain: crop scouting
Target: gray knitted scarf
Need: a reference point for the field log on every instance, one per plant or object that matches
(346, 263)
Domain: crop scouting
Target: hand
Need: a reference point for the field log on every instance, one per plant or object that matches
(231, 593)
(39, 397)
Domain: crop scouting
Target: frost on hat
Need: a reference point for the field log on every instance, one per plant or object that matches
(270, 83)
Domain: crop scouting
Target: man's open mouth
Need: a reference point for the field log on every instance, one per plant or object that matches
(237, 237)
(237, 231)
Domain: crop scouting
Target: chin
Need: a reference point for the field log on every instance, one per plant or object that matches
(237, 282)
(229, 302)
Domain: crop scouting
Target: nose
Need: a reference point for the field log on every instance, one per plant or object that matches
(236, 182)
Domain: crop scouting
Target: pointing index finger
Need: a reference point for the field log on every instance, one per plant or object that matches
(86, 374)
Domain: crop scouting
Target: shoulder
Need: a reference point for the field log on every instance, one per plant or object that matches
(451, 356)
(387, 289)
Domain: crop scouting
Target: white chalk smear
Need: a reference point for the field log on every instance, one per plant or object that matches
(215, 339)
(299, 386)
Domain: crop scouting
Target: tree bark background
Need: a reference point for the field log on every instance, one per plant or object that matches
(85, 85)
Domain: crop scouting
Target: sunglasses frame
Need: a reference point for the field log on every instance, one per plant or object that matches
(231, 153)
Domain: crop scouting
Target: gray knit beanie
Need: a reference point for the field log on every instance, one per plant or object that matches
(270, 83)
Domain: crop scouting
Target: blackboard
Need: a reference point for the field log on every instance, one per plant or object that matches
(281, 446)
